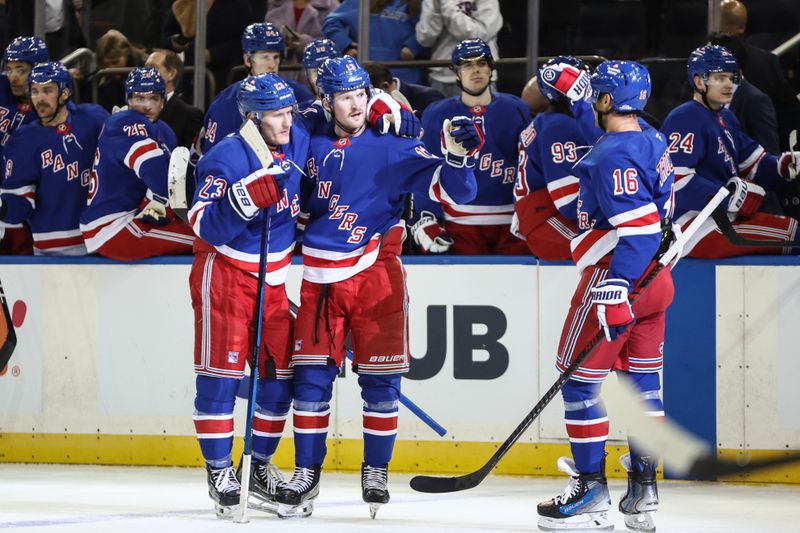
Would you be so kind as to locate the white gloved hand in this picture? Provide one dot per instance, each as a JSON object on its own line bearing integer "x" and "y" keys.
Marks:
{"x": 154, "y": 213}
{"x": 746, "y": 197}
{"x": 789, "y": 165}
{"x": 429, "y": 235}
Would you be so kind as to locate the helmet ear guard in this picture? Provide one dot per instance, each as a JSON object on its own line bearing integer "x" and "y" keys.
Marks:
{"x": 144, "y": 80}
{"x": 471, "y": 50}
{"x": 52, "y": 71}
{"x": 626, "y": 82}
{"x": 711, "y": 58}
{"x": 265, "y": 92}
{"x": 262, "y": 36}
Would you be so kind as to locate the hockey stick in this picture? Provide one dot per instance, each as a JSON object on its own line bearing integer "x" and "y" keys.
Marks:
{"x": 8, "y": 335}
{"x": 467, "y": 481}
{"x": 241, "y": 516}
{"x": 253, "y": 138}
{"x": 684, "y": 453}
{"x": 176, "y": 180}
{"x": 720, "y": 217}
{"x": 405, "y": 400}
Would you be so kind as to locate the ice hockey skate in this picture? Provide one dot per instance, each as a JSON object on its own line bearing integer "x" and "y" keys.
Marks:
{"x": 640, "y": 503}
{"x": 223, "y": 487}
{"x": 296, "y": 497}
{"x": 374, "y": 486}
{"x": 265, "y": 478}
{"x": 582, "y": 506}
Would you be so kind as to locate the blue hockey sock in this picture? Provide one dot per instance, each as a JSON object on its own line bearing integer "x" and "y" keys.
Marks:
{"x": 213, "y": 418}
{"x": 273, "y": 399}
{"x": 587, "y": 425}
{"x": 313, "y": 388}
{"x": 381, "y": 394}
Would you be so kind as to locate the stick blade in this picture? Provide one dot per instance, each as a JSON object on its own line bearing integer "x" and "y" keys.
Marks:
{"x": 8, "y": 336}
{"x": 439, "y": 485}
{"x": 713, "y": 467}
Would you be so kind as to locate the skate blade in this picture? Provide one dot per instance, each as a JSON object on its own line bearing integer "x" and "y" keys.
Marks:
{"x": 644, "y": 522}
{"x": 256, "y": 503}
{"x": 288, "y": 512}
{"x": 584, "y": 522}
{"x": 225, "y": 512}
{"x": 373, "y": 509}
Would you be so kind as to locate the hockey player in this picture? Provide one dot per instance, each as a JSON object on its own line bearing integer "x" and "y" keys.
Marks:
{"x": 314, "y": 54}
{"x": 127, "y": 216}
{"x": 353, "y": 280}
{"x": 15, "y": 110}
{"x": 48, "y": 163}
{"x": 625, "y": 199}
{"x": 483, "y": 225}
{"x": 709, "y": 149}
{"x": 233, "y": 196}
{"x": 546, "y": 192}
{"x": 262, "y": 46}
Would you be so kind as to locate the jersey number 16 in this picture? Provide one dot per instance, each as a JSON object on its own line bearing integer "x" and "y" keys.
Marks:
{"x": 626, "y": 181}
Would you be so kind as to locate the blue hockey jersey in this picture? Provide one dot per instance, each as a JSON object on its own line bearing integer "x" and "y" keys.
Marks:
{"x": 355, "y": 195}
{"x": 495, "y": 172}
{"x": 708, "y": 148}
{"x": 130, "y": 165}
{"x": 223, "y": 117}
{"x": 218, "y": 224}
{"x": 548, "y": 150}
{"x": 13, "y": 112}
{"x": 626, "y": 183}
{"x": 47, "y": 176}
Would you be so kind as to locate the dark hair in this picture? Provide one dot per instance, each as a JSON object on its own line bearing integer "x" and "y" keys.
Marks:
{"x": 172, "y": 61}
{"x": 734, "y": 43}
{"x": 378, "y": 73}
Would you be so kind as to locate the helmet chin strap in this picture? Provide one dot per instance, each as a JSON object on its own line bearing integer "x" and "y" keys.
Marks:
{"x": 473, "y": 93}
{"x": 601, "y": 117}
{"x": 55, "y": 113}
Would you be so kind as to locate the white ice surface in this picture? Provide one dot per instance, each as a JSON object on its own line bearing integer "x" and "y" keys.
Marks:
{"x": 58, "y": 498}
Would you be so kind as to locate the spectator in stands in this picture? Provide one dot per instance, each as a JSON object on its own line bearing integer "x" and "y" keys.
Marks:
{"x": 114, "y": 50}
{"x": 418, "y": 96}
{"x": 225, "y": 21}
{"x": 443, "y": 23}
{"x": 391, "y": 32}
{"x": 61, "y": 23}
{"x": 763, "y": 70}
{"x": 184, "y": 119}
{"x": 301, "y": 22}
{"x": 126, "y": 215}
{"x": 751, "y": 106}
{"x": 483, "y": 226}
{"x": 48, "y": 163}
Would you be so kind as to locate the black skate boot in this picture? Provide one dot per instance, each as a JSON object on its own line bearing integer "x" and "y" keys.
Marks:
{"x": 223, "y": 487}
{"x": 640, "y": 503}
{"x": 296, "y": 497}
{"x": 583, "y": 505}
{"x": 265, "y": 478}
{"x": 374, "y": 486}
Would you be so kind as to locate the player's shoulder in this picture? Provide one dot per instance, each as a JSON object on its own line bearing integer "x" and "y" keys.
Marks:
{"x": 27, "y": 137}
{"x": 506, "y": 100}
{"x": 128, "y": 123}
{"x": 92, "y": 112}
{"x": 442, "y": 107}
{"x": 229, "y": 149}
{"x": 685, "y": 115}
{"x": 225, "y": 96}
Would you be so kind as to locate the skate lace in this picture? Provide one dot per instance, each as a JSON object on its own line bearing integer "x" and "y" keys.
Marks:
{"x": 270, "y": 475}
{"x": 301, "y": 480}
{"x": 374, "y": 477}
{"x": 225, "y": 480}
{"x": 574, "y": 487}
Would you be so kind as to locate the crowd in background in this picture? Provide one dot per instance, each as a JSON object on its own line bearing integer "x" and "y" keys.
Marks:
{"x": 160, "y": 33}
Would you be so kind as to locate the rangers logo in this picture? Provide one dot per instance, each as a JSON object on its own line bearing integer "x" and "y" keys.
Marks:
{"x": 233, "y": 357}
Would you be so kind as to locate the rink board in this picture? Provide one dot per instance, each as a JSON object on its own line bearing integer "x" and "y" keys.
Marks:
{"x": 102, "y": 372}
